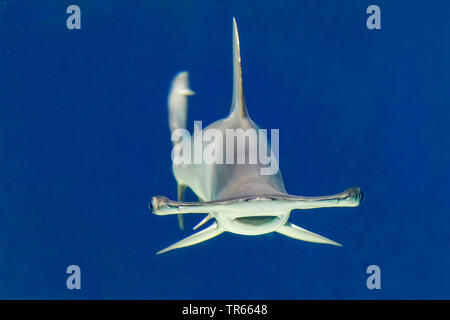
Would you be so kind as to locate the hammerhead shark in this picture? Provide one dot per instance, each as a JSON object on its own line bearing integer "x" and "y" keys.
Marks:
{"x": 237, "y": 196}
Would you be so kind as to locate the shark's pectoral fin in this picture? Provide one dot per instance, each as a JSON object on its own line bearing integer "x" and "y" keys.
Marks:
{"x": 206, "y": 234}
{"x": 293, "y": 231}
{"x": 180, "y": 197}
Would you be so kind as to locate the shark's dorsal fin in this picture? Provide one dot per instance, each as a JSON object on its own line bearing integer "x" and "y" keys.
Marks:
{"x": 238, "y": 106}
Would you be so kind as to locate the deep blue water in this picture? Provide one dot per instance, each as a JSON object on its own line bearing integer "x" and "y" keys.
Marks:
{"x": 85, "y": 144}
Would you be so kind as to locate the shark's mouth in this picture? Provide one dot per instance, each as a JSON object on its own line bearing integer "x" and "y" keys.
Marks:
{"x": 257, "y": 220}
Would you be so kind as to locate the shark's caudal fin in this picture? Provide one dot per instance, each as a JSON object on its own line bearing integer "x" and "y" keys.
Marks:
{"x": 238, "y": 106}
{"x": 177, "y": 101}
{"x": 177, "y": 104}
{"x": 206, "y": 234}
{"x": 293, "y": 231}
{"x": 180, "y": 197}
